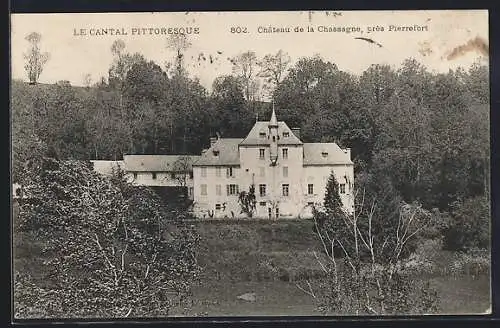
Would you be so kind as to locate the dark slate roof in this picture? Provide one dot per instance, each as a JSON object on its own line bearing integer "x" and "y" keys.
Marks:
{"x": 158, "y": 163}
{"x": 313, "y": 154}
{"x": 228, "y": 153}
{"x": 253, "y": 137}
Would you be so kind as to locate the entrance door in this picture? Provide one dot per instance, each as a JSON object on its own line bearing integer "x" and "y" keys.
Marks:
{"x": 270, "y": 212}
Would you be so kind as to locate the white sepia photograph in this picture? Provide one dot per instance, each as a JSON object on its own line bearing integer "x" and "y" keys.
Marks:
{"x": 253, "y": 163}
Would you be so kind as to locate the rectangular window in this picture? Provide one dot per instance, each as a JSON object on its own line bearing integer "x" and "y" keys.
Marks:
{"x": 310, "y": 203}
{"x": 203, "y": 172}
{"x": 286, "y": 189}
{"x": 135, "y": 175}
{"x": 190, "y": 191}
{"x": 285, "y": 153}
{"x": 342, "y": 188}
{"x": 285, "y": 171}
{"x": 172, "y": 175}
{"x": 229, "y": 172}
{"x": 217, "y": 207}
{"x": 286, "y": 134}
{"x": 262, "y": 153}
{"x": 262, "y": 172}
{"x": 262, "y": 190}
{"x": 310, "y": 189}
{"x": 262, "y": 203}
{"x": 218, "y": 190}
{"x": 218, "y": 171}
{"x": 262, "y": 134}
{"x": 191, "y": 175}
{"x": 203, "y": 189}
{"x": 232, "y": 189}
{"x": 154, "y": 175}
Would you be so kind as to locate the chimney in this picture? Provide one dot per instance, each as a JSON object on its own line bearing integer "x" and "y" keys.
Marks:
{"x": 213, "y": 140}
{"x": 296, "y": 132}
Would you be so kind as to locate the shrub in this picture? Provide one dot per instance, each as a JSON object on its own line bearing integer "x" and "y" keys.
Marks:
{"x": 114, "y": 252}
{"x": 470, "y": 225}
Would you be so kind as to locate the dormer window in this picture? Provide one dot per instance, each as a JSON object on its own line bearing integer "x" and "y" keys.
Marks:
{"x": 286, "y": 134}
{"x": 262, "y": 134}
{"x": 216, "y": 152}
{"x": 324, "y": 154}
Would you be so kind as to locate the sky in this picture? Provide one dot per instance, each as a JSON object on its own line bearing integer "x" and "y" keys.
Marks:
{"x": 440, "y": 40}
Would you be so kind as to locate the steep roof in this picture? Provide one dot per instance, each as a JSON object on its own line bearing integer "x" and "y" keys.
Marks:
{"x": 254, "y": 138}
{"x": 227, "y": 153}
{"x": 325, "y": 154}
{"x": 158, "y": 163}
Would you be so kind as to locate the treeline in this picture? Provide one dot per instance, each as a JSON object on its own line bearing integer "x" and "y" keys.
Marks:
{"x": 421, "y": 135}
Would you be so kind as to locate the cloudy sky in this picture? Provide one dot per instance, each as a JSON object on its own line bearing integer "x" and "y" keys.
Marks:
{"x": 447, "y": 39}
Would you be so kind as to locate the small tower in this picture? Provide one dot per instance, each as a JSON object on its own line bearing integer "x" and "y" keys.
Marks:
{"x": 273, "y": 137}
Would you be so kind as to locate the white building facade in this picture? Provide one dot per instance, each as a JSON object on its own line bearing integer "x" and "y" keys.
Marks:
{"x": 289, "y": 176}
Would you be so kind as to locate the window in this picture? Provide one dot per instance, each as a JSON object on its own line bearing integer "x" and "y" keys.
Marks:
{"x": 285, "y": 171}
{"x": 285, "y": 153}
{"x": 218, "y": 190}
{"x": 286, "y": 134}
{"x": 286, "y": 189}
{"x": 310, "y": 203}
{"x": 172, "y": 175}
{"x": 262, "y": 134}
{"x": 262, "y": 203}
{"x": 324, "y": 154}
{"x": 218, "y": 171}
{"x": 342, "y": 188}
{"x": 203, "y": 172}
{"x": 274, "y": 138}
{"x": 229, "y": 172}
{"x": 203, "y": 189}
{"x": 310, "y": 189}
{"x": 262, "y": 190}
{"x": 262, "y": 153}
{"x": 190, "y": 191}
{"x": 217, "y": 207}
{"x": 262, "y": 172}
{"x": 135, "y": 175}
{"x": 191, "y": 175}
{"x": 154, "y": 175}
{"x": 232, "y": 189}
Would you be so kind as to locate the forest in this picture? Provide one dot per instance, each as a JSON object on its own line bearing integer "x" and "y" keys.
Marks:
{"x": 423, "y": 134}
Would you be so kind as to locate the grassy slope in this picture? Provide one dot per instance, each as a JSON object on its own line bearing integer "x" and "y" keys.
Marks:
{"x": 268, "y": 259}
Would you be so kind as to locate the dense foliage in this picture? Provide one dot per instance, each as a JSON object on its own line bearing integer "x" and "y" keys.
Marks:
{"x": 110, "y": 249}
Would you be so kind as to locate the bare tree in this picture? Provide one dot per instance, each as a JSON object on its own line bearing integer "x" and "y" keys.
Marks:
{"x": 178, "y": 43}
{"x": 245, "y": 67}
{"x": 366, "y": 278}
{"x": 273, "y": 69}
{"x": 182, "y": 168}
{"x": 87, "y": 80}
{"x": 35, "y": 58}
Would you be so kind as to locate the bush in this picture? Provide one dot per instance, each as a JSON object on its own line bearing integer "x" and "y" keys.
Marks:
{"x": 474, "y": 263}
{"x": 114, "y": 251}
{"x": 470, "y": 225}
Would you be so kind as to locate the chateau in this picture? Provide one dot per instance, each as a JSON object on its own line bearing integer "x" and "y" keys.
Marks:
{"x": 288, "y": 176}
